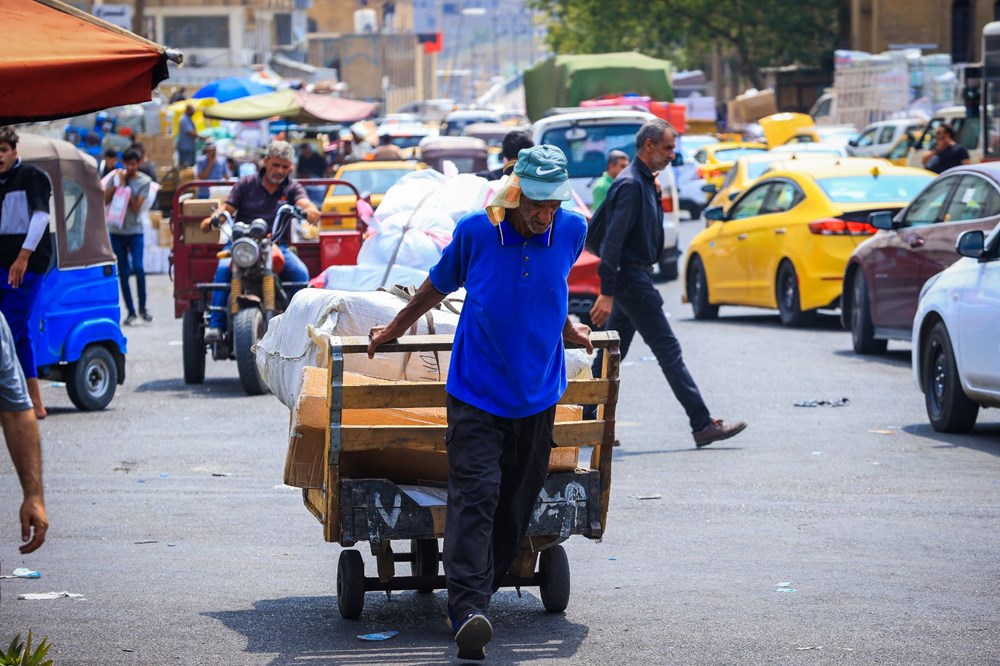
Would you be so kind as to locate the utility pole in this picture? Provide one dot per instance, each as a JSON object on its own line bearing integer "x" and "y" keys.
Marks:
{"x": 139, "y": 18}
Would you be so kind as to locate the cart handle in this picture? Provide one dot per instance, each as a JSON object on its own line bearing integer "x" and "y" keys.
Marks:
{"x": 409, "y": 343}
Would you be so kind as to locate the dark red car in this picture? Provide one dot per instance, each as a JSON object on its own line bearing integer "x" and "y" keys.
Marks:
{"x": 884, "y": 274}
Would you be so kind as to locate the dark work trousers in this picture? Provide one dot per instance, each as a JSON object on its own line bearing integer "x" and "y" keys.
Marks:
{"x": 497, "y": 467}
{"x": 639, "y": 308}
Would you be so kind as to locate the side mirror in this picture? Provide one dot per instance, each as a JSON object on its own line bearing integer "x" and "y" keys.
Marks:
{"x": 971, "y": 244}
{"x": 715, "y": 213}
{"x": 709, "y": 188}
{"x": 881, "y": 220}
{"x": 678, "y": 160}
{"x": 853, "y": 143}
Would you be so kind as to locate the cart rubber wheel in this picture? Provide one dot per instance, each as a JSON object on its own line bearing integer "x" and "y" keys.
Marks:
{"x": 92, "y": 380}
{"x": 248, "y": 328}
{"x": 425, "y": 560}
{"x": 194, "y": 347}
{"x": 350, "y": 584}
{"x": 553, "y": 565}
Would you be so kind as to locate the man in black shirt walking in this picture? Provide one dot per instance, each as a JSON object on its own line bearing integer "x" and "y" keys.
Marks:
{"x": 629, "y": 303}
{"x": 946, "y": 153}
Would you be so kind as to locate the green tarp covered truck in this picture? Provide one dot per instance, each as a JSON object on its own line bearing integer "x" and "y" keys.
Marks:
{"x": 567, "y": 80}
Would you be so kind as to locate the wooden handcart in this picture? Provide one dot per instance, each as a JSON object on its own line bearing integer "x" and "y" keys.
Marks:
{"x": 373, "y": 467}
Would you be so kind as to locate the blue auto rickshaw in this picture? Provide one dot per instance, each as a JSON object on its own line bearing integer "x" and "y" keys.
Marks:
{"x": 78, "y": 338}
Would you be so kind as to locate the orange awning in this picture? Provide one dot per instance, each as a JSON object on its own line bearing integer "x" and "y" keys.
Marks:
{"x": 57, "y": 61}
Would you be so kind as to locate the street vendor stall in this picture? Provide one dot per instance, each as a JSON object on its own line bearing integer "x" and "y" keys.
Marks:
{"x": 58, "y": 61}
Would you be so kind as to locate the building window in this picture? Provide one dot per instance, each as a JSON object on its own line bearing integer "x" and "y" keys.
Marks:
{"x": 199, "y": 32}
{"x": 996, "y": 10}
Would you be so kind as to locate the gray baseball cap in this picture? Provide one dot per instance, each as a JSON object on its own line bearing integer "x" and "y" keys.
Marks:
{"x": 542, "y": 173}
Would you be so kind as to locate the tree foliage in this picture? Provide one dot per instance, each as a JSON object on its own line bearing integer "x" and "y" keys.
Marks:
{"x": 754, "y": 33}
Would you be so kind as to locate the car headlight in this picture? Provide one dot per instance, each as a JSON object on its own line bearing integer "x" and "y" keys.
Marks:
{"x": 245, "y": 253}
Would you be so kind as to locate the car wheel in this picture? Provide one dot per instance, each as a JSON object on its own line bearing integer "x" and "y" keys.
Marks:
{"x": 787, "y": 293}
{"x": 92, "y": 380}
{"x": 862, "y": 328}
{"x": 697, "y": 291}
{"x": 948, "y": 408}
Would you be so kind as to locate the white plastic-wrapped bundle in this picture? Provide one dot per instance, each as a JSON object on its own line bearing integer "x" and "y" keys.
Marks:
{"x": 408, "y": 238}
{"x": 369, "y": 277}
{"x": 300, "y": 336}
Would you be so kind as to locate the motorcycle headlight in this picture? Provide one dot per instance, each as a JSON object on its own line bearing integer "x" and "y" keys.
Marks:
{"x": 245, "y": 253}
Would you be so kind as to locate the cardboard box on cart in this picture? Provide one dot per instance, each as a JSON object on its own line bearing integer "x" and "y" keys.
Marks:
{"x": 310, "y": 420}
{"x": 197, "y": 210}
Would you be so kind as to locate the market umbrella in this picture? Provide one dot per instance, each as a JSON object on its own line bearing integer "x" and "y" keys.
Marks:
{"x": 295, "y": 105}
{"x": 232, "y": 87}
{"x": 57, "y": 61}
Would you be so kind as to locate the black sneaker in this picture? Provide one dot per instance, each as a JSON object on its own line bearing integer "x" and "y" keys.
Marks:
{"x": 129, "y": 320}
{"x": 473, "y": 635}
{"x": 146, "y": 316}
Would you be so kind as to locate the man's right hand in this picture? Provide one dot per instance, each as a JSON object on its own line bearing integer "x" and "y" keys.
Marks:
{"x": 601, "y": 310}
{"x": 377, "y": 337}
{"x": 34, "y": 524}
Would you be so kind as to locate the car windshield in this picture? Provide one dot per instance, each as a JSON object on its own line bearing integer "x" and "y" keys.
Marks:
{"x": 406, "y": 141}
{"x": 871, "y": 189}
{"x": 756, "y": 168}
{"x": 588, "y": 146}
{"x": 373, "y": 181}
{"x": 733, "y": 154}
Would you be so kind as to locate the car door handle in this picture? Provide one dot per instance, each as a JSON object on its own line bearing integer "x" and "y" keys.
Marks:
{"x": 917, "y": 242}
{"x": 741, "y": 237}
{"x": 780, "y": 232}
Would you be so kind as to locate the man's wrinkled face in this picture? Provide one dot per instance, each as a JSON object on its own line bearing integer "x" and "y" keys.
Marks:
{"x": 662, "y": 151}
{"x": 8, "y": 155}
{"x": 276, "y": 169}
{"x": 538, "y": 215}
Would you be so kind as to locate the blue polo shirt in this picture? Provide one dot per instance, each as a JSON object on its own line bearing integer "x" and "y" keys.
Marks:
{"x": 508, "y": 358}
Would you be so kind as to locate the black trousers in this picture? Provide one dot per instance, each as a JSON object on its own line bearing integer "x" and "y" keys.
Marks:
{"x": 497, "y": 467}
{"x": 638, "y": 309}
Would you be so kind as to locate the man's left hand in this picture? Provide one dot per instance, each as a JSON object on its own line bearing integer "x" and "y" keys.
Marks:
{"x": 15, "y": 274}
{"x": 34, "y": 524}
{"x": 579, "y": 334}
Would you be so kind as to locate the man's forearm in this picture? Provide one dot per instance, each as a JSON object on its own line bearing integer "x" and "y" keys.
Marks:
{"x": 20, "y": 429}
{"x": 425, "y": 299}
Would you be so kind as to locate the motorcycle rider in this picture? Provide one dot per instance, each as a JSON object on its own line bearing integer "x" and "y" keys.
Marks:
{"x": 260, "y": 196}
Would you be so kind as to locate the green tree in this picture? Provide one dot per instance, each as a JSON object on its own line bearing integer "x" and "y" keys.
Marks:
{"x": 754, "y": 33}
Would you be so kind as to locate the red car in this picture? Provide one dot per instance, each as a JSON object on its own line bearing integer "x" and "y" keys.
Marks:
{"x": 884, "y": 274}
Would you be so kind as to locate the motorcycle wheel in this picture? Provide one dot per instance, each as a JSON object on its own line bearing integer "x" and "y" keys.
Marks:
{"x": 248, "y": 329}
{"x": 194, "y": 347}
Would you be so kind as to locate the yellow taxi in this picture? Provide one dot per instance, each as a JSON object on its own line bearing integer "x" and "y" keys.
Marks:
{"x": 784, "y": 242}
{"x": 371, "y": 177}
{"x": 835, "y": 135}
{"x": 744, "y": 171}
{"x": 715, "y": 160}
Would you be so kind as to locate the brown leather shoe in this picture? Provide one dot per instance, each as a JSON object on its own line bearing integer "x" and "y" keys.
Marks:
{"x": 718, "y": 431}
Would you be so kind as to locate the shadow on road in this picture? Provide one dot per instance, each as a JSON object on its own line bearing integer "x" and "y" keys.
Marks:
{"x": 893, "y": 357}
{"x": 824, "y": 322}
{"x": 211, "y": 388}
{"x": 985, "y": 437}
{"x": 309, "y": 630}
{"x": 624, "y": 453}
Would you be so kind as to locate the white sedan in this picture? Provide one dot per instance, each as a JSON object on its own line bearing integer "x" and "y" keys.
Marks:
{"x": 956, "y": 335}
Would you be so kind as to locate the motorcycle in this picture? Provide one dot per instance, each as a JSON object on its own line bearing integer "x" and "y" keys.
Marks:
{"x": 256, "y": 295}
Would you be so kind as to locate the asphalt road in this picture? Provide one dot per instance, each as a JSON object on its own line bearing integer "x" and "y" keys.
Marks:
{"x": 847, "y": 535}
